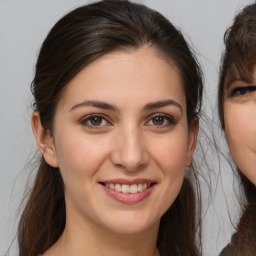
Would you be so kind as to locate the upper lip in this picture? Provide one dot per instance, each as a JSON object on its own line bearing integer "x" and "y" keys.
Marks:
{"x": 128, "y": 182}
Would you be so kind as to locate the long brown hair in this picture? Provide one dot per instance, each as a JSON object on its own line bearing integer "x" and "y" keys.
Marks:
{"x": 240, "y": 42}
{"x": 77, "y": 39}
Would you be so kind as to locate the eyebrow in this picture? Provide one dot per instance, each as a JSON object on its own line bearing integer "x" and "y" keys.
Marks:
{"x": 149, "y": 106}
{"x": 96, "y": 104}
{"x": 161, "y": 104}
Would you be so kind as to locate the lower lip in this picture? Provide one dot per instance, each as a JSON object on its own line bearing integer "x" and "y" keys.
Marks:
{"x": 129, "y": 198}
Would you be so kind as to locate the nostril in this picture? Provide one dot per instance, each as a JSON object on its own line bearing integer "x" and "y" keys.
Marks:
{"x": 129, "y": 154}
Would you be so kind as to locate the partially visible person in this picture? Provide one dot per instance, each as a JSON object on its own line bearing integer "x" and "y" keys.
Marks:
{"x": 237, "y": 111}
{"x": 117, "y": 95}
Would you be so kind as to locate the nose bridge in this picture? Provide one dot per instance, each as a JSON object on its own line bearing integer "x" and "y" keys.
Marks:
{"x": 130, "y": 150}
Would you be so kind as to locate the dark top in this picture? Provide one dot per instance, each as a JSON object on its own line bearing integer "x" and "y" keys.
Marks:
{"x": 228, "y": 251}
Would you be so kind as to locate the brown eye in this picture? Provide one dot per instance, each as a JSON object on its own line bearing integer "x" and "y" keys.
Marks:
{"x": 244, "y": 91}
{"x": 95, "y": 120}
{"x": 158, "y": 120}
{"x": 161, "y": 120}
{"x": 240, "y": 91}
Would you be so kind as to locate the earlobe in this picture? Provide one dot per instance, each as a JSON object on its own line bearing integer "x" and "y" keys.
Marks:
{"x": 192, "y": 139}
{"x": 44, "y": 140}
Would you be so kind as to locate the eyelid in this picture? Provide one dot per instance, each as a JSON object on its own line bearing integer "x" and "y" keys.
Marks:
{"x": 170, "y": 119}
{"x": 86, "y": 118}
{"x": 250, "y": 88}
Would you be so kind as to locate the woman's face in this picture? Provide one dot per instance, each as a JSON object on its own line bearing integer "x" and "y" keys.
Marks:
{"x": 240, "y": 121}
{"x": 121, "y": 141}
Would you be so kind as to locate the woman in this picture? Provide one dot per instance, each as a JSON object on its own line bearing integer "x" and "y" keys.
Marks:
{"x": 117, "y": 97}
{"x": 237, "y": 111}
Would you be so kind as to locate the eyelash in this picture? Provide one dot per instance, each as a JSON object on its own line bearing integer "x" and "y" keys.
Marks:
{"x": 167, "y": 118}
{"x": 87, "y": 121}
{"x": 248, "y": 89}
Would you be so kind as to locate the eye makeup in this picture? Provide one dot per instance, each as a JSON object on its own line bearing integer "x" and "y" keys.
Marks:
{"x": 242, "y": 90}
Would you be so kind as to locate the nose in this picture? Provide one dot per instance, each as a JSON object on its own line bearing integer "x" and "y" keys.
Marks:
{"x": 130, "y": 152}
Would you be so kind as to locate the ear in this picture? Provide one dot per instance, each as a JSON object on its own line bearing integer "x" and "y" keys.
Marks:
{"x": 44, "y": 140}
{"x": 192, "y": 139}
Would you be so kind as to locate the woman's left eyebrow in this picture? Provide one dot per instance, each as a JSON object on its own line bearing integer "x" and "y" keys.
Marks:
{"x": 161, "y": 104}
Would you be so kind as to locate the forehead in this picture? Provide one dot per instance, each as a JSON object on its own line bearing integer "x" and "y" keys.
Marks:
{"x": 234, "y": 74}
{"x": 140, "y": 74}
{"x": 231, "y": 75}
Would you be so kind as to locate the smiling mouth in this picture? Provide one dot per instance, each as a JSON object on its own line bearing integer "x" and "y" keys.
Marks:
{"x": 128, "y": 189}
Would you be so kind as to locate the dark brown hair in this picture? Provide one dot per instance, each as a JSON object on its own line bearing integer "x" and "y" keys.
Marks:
{"x": 240, "y": 51}
{"x": 78, "y": 38}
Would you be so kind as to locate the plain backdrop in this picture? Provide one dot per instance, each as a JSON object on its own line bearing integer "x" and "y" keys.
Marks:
{"x": 23, "y": 27}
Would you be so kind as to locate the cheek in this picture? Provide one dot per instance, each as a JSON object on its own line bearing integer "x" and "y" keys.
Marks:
{"x": 79, "y": 158}
{"x": 80, "y": 155}
{"x": 170, "y": 156}
{"x": 170, "y": 153}
{"x": 240, "y": 129}
{"x": 240, "y": 125}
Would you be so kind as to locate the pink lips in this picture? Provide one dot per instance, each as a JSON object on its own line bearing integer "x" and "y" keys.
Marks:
{"x": 128, "y": 198}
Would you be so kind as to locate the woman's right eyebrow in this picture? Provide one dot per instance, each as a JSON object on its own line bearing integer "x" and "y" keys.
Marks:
{"x": 96, "y": 104}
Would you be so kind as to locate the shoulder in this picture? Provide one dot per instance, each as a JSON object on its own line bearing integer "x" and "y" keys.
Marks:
{"x": 228, "y": 251}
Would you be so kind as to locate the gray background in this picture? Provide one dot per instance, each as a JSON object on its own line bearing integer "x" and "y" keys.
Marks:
{"x": 23, "y": 26}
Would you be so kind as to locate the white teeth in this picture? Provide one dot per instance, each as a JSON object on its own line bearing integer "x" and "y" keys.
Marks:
{"x": 124, "y": 188}
{"x": 133, "y": 189}
{"x": 118, "y": 188}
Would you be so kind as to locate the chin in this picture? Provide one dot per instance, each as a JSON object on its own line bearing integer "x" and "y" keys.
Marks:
{"x": 128, "y": 225}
